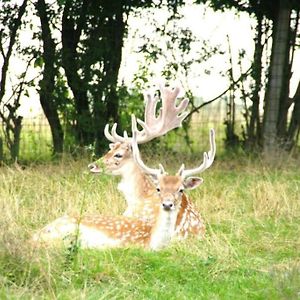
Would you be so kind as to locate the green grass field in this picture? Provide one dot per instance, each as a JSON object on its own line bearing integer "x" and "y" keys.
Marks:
{"x": 252, "y": 248}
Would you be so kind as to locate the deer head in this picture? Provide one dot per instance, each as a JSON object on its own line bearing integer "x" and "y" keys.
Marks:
{"x": 169, "y": 116}
{"x": 170, "y": 188}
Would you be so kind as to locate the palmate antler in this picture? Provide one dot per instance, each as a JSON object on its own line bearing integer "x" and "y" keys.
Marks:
{"x": 169, "y": 117}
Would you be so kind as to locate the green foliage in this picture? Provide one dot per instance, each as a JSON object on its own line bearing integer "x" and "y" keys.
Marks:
{"x": 267, "y": 8}
{"x": 276, "y": 19}
{"x": 130, "y": 102}
{"x": 174, "y": 47}
{"x": 39, "y": 61}
{"x": 175, "y": 51}
{"x": 34, "y": 147}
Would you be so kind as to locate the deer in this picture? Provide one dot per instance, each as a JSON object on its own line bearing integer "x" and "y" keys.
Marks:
{"x": 98, "y": 231}
{"x": 139, "y": 192}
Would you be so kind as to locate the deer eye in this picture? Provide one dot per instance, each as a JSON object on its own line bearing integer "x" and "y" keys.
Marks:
{"x": 118, "y": 155}
{"x": 158, "y": 189}
{"x": 181, "y": 191}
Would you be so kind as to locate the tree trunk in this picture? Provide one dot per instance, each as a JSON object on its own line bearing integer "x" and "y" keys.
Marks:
{"x": 275, "y": 87}
{"x": 15, "y": 146}
{"x": 254, "y": 133}
{"x": 47, "y": 84}
{"x": 294, "y": 126}
{"x": 112, "y": 60}
{"x": 231, "y": 139}
{"x": 12, "y": 126}
{"x": 284, "y": 104}
{"x": 71, "y": 33}
{"x": 285, "y": 101}
{"x": 11, "y": 122}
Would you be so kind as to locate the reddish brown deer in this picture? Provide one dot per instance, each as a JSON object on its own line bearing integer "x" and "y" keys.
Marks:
{"x": 139, "y": 192}
{"x": 95, "y": 231}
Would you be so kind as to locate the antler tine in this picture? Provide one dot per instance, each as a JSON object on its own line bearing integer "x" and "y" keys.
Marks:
{"x": 107, "y": 134}
{"x": 140, "y": 133}
{"x": 212, "y": 151}
{"x": 117, "y": 137}
{"x": 169, "y": 112}
{"x": 181, "y": 169}
{"x": 136, "y": 153}
{"x": 150, "y": 107}
{"x": 113, "y": 136}
{"x": 208, "y": 158}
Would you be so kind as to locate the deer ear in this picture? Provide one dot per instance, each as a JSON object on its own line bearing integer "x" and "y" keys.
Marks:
{"x": 192, "y": 182}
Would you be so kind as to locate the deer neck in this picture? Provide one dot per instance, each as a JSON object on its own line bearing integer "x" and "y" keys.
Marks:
{"x": 134, "y": 185}
{"x": 163, "y": 230}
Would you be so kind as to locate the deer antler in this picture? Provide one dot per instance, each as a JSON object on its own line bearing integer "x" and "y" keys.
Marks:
{"x": 170, "y": 116}
{"x": 137, "y": 157}
{"x": 208, "y": 159}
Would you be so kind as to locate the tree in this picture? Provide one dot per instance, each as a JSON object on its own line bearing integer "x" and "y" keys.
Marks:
{"x": 11, "y": 19}
{"x": 277, "y": 130}
{"x": 275, "y": 114}
{"x": 92, "y": 42}
{"x": 47, "y": 83}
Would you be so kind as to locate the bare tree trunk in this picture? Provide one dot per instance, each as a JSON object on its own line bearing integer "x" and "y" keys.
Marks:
{"x": 292, "y": 133}
{"x": 285, "y": 100}
{"x": 254, "y": 124}
{"x": 13, "y": 125}
{"x": 231, "y": 140}
{"x": 275, "y": 87}
{"x": 294, "y": 126}
{"x": 47, "y": 84}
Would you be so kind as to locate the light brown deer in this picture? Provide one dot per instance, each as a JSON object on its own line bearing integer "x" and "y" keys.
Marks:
{"x": 118, "y": 161}
{"x": 95, "y": 231}
{"x": 139, "y": 192}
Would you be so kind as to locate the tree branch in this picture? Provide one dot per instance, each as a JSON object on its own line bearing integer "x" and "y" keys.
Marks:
{"x": 13, "y": 35}
{"x": 196, "y": 109}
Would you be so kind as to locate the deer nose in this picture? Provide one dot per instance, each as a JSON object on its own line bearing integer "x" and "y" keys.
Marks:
{"x": 94, "y": 168}
{"x": 168, "y": 205}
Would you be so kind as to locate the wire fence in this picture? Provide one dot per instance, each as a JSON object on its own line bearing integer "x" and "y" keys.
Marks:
{"x": 36, "y": 140}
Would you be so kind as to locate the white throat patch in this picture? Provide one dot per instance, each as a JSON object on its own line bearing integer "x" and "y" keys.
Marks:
{"x": 128, "y": 186}
{"x": 164, "y": 230}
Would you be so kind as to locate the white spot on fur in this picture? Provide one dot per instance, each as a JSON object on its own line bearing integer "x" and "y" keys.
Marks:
{"x": 93, "y": 238}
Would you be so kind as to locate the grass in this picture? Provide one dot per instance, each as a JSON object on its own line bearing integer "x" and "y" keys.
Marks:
{"x": 252, "y": 213}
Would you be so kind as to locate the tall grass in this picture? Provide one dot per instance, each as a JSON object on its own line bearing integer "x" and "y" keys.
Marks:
{"x": 252, "y": 214}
